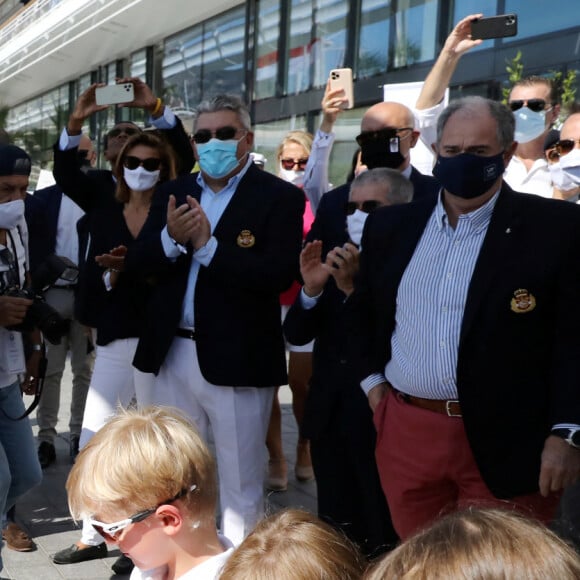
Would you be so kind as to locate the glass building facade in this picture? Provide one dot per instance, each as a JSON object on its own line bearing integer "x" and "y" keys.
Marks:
{"x": 277, "y": 54}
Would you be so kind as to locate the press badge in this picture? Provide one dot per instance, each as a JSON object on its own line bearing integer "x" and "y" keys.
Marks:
{"x": 11, "y": 353}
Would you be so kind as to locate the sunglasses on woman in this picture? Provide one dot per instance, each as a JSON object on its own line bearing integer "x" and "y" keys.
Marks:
{"x": 149, "y": 164}
{"x": 289, "y": 164}
{"x": 535, "y": 105}
{"x": 111, "y": 531}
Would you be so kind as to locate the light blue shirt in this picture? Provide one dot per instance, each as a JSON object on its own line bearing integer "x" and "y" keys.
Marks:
{"x": 166, "y": 121}
{"x": 214, "y": 205}
{"x": 430, "y": 304}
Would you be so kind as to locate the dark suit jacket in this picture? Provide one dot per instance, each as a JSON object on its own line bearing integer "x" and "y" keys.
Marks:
{"x": 330, "y": 223}
{"x": 517, "y": 373}
{"x": 95, "y": 191}
{"x": 41, "y": 239}
{"x": 237, "y": 311}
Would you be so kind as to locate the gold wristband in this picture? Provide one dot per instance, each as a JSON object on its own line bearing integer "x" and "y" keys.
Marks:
{"x": 158, "y": 107}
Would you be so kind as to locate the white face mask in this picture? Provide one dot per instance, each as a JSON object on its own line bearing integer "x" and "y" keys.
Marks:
{"x": 11, "y": 214}
{"x": 140, "y": 179}
{"x": 559, "y": 178}
{"x": 529, "y": 124}
{"x": 355, "y": 225}
{"x": 570, "y": 164}
{"x": 294, "y": 177}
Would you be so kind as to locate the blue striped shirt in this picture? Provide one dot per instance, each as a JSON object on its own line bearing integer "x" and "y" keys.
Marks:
{"x": 431, "y": 301}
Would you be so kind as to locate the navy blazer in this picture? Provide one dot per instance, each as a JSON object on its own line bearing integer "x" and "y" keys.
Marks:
{"x": 517, "y": 373}
{"x": 41, "y": 234}
{"x": 95, "y": 191}
{"x": 237, "y": 312}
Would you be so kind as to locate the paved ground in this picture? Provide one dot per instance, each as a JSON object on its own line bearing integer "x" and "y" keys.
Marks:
{"x": 44, "y": 512}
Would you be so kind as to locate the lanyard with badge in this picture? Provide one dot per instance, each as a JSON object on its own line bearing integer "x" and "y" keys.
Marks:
{"x": 12, "y": 352}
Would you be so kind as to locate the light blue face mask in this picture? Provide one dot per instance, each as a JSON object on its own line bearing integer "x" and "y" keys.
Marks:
{"x": 217, "y": 158}
{"x": 529, "y": 124}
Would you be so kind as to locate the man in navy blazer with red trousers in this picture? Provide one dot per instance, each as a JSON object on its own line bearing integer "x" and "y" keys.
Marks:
{"x": 466, "y": 320}
{"x": 219, "y": 247}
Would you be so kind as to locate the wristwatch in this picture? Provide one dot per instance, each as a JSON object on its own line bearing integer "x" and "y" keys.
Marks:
{"x": 571, "y": 436}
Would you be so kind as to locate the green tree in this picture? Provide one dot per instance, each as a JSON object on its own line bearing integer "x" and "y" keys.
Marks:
{"x": 515, "y": 70}
{"x": 567, "y": 88}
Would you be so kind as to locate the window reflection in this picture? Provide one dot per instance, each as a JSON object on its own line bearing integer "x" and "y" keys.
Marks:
{"x": 396, "y": 35}
{"x": 267, "y": 57}
{"x": 36, "y": 124}
{"x": 415, "y": 32}
{"x": 374, "y": 37}
{"x": 346, "y": 128}
{"x": 223, "y": 54}
{"x": 317, "y": 42}
{"x": 537, "y": 17}
{"x": 205, "y": 60}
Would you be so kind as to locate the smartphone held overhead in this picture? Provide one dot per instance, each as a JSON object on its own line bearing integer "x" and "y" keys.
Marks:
{"x": 115, "y": 94}
{"x": 495, "y": 26}
{"x": 341, "y": 78}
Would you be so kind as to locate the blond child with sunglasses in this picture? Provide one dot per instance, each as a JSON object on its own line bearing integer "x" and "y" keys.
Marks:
{"x": 146, "y": 482}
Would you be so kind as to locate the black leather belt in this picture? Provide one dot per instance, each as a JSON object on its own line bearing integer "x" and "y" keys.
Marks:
{"x": 185, "y": 333}
{"x": 64, "y": 287}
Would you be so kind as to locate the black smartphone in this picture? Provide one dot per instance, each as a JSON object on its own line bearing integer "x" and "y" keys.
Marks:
{"x": 495, "y": 26}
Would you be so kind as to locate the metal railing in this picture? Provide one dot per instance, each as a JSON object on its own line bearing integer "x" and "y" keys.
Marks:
{"x": 25, "y": 18}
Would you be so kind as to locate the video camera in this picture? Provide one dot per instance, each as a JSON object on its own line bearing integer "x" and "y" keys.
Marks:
{"x": 40, "y": 314}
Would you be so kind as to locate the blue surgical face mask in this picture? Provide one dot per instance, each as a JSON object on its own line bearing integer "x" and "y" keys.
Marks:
{"x": 529, "y": 124}
{"x": 218, "y": 158}
{"x": 467, "y": 175}
{"x": 570, "y": 164}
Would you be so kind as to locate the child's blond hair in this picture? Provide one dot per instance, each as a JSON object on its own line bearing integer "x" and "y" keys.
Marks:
{"x": 294, "y": 544}
{"x": 139, "y": 459}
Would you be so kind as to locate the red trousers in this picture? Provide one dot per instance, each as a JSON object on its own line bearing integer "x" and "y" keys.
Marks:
{"x": 427, "y": 468}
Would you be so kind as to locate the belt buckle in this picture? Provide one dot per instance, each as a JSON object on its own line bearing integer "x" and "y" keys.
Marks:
{"x": 448, "y": 409}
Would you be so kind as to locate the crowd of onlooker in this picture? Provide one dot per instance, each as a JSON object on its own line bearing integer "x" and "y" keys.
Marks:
{"x": 430, "y": 322}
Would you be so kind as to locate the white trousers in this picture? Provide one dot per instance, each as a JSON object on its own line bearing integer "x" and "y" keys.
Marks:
{"x": 114, "y": 383}
{"x": 238, "y": 418}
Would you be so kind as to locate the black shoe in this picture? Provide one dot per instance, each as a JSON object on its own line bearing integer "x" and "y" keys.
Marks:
{"x": 74, "y": 447}
{"x": 123, "y": 565}
{"x": 74, "y": 554}
{"x": 46, "y": 454}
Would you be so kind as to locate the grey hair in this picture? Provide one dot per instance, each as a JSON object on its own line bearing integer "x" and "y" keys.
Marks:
{"x": 398, "y": 188}
{"x": 224, "y": 103}
{"x": 504, "y": 117}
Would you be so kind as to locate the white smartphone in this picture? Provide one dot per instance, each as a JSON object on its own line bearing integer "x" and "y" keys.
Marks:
{"x": 114, "y": 94}
{"x": 341, "y": 78}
